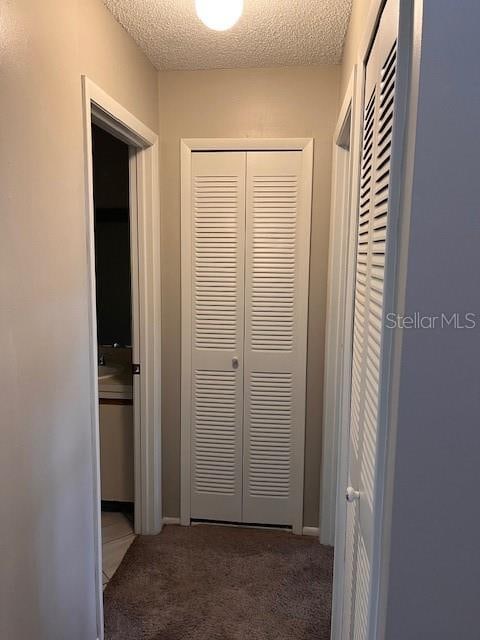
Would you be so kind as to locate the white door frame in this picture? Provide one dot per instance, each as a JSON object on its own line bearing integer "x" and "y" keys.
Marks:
{"x": 340, "y": 298}
{"x": 101, "y": 109}
{"x": 187, "y": 146}
{"x": 338, "y": 361}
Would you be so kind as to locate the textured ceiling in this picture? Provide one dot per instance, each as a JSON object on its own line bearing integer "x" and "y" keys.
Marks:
{"x": 270, "y": 33}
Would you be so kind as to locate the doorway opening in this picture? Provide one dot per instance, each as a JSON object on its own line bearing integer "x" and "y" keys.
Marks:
{"x": 113, "y": 286}
{"x": 246, "y": 209}
{"x": 340, "y": 292}
{"x": 338, "y": 353}
{"x": 141, "y": 319}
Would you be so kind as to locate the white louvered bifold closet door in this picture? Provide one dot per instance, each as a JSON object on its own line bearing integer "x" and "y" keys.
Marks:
{"x": 276, "y": 299}
{"x": 218, "y": 256}
{"x": 369, "y": 321}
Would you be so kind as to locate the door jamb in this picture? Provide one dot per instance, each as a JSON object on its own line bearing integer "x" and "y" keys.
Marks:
{"x": 333, "y": 506}
{"x": 339, "y": 313}
{"x": 100, "y": 108}
{"x": 187, "y": 146}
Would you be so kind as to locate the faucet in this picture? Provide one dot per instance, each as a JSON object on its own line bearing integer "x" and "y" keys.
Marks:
{"x": 101, "y": 360}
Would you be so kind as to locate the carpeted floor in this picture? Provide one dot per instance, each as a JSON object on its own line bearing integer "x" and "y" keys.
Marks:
{"x": 221, "y": 583}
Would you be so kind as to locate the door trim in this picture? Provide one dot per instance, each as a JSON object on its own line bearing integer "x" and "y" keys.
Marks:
{"x": 340, "y": 298}
{"x": 187, "y": 146}
{"x": 336, "y": 434}
{"x": 101, "y": 109}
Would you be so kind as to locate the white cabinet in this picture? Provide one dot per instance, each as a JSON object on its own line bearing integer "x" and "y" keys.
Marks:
{"x": 116, "y": 450}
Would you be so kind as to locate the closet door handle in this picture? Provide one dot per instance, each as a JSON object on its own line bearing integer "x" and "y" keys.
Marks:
{"x": 235, "y": 363}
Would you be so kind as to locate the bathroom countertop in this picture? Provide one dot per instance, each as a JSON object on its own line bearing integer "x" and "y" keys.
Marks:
{"x": 119, "y": 387}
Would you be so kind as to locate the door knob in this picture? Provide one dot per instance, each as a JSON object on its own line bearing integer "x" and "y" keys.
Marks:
{"x": 351, "y": 495}
{"x": 235, "y": 363}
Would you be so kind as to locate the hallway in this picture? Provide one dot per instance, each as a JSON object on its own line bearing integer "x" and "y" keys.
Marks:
{"x": 221, "y": 583}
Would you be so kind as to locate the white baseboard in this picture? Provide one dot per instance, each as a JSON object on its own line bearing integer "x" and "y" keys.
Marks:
{"x": 311, "y": 531}
{"x": 168, "y": 520}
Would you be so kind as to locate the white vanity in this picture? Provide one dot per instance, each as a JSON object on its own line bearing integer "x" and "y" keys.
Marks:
{"x": 116, "y": 426}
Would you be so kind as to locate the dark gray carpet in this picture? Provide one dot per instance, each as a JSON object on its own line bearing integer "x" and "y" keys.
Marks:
{"x": 221, "y": 583}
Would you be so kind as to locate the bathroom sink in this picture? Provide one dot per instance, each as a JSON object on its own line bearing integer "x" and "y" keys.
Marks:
{"x": 105, "y": 372}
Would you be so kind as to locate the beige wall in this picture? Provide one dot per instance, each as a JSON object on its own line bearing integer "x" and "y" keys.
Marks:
{"x": 46, "y": 538}
{"x": 356, "y": 28}
{"x": 280, "y": 102}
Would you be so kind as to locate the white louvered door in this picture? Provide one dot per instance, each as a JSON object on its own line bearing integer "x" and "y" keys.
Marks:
{"x": 249, "y": 295}
{"x": 369, "y": 322}
{"x": 276, "y": 281}
{"x": 218, "y": 257}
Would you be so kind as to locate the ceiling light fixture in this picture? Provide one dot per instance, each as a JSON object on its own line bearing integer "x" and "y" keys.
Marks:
{"x": 219, "y": 15}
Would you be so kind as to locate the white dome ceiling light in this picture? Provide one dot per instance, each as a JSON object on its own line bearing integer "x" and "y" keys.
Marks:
{"x": 219, "y": 15}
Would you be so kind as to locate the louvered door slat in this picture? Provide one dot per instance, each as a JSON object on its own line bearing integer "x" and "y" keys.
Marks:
{"x": 218, "y": 215}
{"x": 275, "y": 334}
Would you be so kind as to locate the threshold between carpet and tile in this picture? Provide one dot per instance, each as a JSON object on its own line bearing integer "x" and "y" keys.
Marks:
{"x": 221, "y": 583}
{"x": 117, "y": 536}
